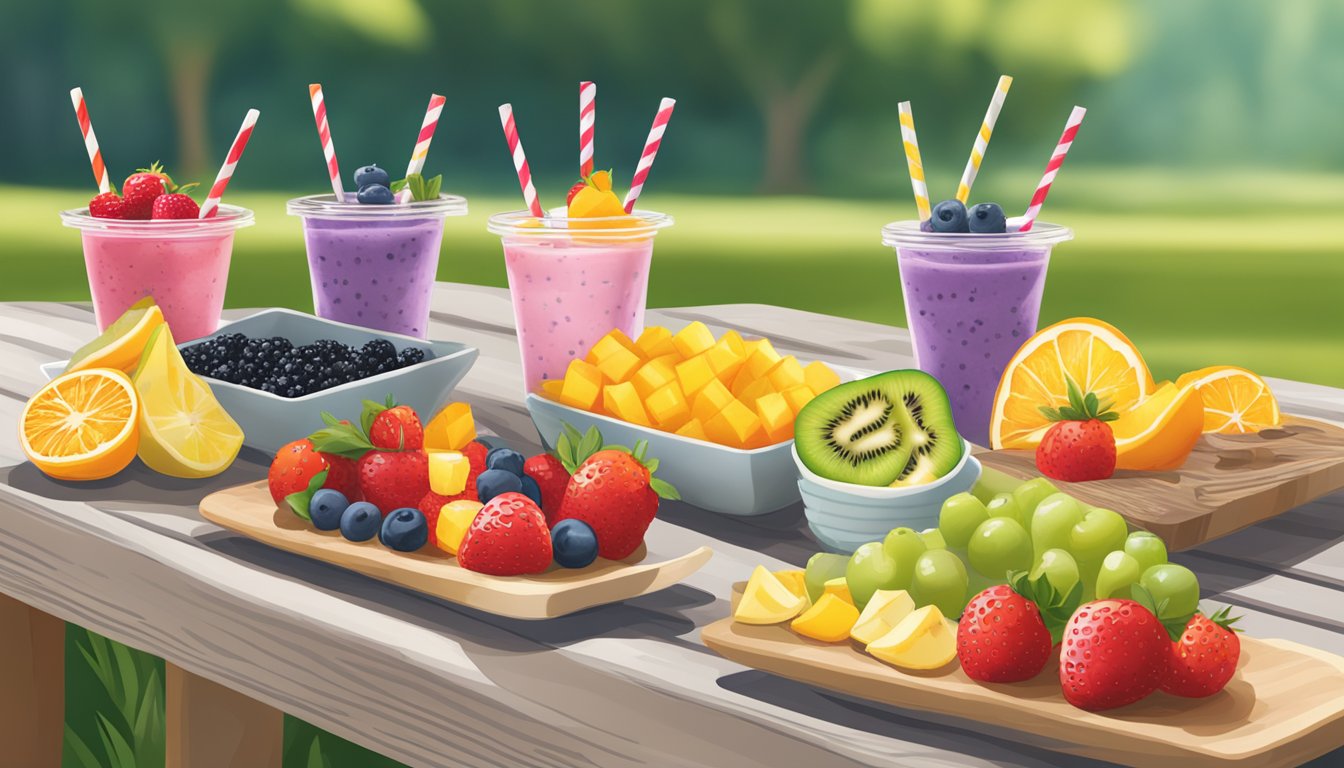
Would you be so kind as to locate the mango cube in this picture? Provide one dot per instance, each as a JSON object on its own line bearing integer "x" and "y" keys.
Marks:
{"x": 616, "y": 362}
{"x": 622, "y": 401}
{"x": 761, "y": 356}
{"x": 710, "y": 400}
{"x": 734, "y": 341}
{"x": 786, "y": 373}
{"x": 655, "y": 341}
{"x": 667, "y": 407}
{"x": 451, "y": 428}
{"x": 724, "y": 360}
{"x": 693, "y": 429}
{"x": 735, "y": 426}
{"x": 755, "y": 391}
{"x": 776, "y": 418}
{"x": 820, "y": 377}
{"x": 583, "y": 385}
{"x": 448, "y": 472}
{"x": 617, "y": 335}
{"x": 693, "y": 339}
{"x": 828, "y": 621}
{"x": 798, "y": 397}
{"x": 455, "y": 518}
{"x": 550, "y": 388}
{"x": 653, "y": 376}
{"x": 694, "y": 374}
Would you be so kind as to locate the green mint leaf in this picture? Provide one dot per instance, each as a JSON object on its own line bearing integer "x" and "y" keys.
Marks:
{"x": 298, "y": 501}
{"x": 398, "y": 185}
{"x": 417, "y": 183}
{"x": 433, "y": 186}
{"x": 664, "y": 489}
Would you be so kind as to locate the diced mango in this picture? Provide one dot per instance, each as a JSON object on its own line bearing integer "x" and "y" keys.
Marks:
{"x": 616, "y": 362}
{"x": 710, "y": 400}
{"x": 550, "y": 388}
{"x": 763, "y": 352}
{"x": 694, "y": 374}
{"x": 451, "y": 428}
{"x": 455, "y": 518}
{"x": 693, "y": 339}
{"x": 653, "y": 376}
{"x": 622, "y": 401}
{"x": 755, "y": 391}
{"x": 820, "y": 377}
{"x": 786, "y": 373}
{"x": 583, "y": 385}
{"x": 724, "y": 360}
{"x": 828, "y": 621}
{"x": 448, "y": 472}
{"x": 619, "y": 336}
{"x": 693, "y": 429}
{"x": 798, "y": 397}
{"x": 736, "y": 426}
{"x": 734, "y": 341}
{"x": 776, "y": 418}
{"x": 667, "y": 407}
{"x": 654, "y": 342}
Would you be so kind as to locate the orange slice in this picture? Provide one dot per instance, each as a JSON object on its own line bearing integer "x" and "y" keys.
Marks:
{"x": 1236, "y": 401}
{"x": 122, "y": 343}
{"x": 82, "y": 425}
{"x": 1094, "y": 354}
{"x": 1159, "y": 433}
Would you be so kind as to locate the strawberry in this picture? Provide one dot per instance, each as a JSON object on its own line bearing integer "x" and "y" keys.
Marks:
{"x": 508, "y": 538}
{"x": 552, "y": 478}
{"x": 574, "y": 190}
{"x": 174, "y": 205}
{"x": 1115, "y": 652}
{"x": 141, "y": 188}
{"x": 1205, "y": 656}
{"x": 394, "y": 479}
{"x": 1007, "y": 631}
{"x": 612, "y": 490}
{"x": 430, "y": 506}
{"x": 108, "y": 205}
{"x": 296, "y": 465}
{"x": 1080, "y": 446}
{"x": 391, "y": 426}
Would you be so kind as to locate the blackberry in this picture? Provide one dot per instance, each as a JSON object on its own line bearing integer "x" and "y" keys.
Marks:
{"x": 276, "y": 365}
{"x": 411, "y": 356}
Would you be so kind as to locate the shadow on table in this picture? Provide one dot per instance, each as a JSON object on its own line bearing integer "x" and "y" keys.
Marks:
{"x": 782, "y": 534}
{"x": 137, "y": 483}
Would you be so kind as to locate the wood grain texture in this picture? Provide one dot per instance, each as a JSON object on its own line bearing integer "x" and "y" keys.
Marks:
{"x": 249, "y": 510}
{"x": 1283, "y": 708}
{"x": 32, "y": 685}
{"x": 210, "y": 726}
{"x": 1229, "y": 482}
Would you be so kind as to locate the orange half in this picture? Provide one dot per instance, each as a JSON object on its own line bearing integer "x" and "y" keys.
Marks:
{"x": 1236, "y": 401}
{"x": 1159, "y": 433}
{"x": 82, "y": 425}
{"x": 1096, "y": 355}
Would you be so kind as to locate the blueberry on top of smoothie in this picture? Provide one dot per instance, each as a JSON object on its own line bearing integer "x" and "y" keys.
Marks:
{"x": 949, "y": 216}
{"x": 375, "y": 194}
{"x": 371, "y": 174}
{"x": 988, "y": 218}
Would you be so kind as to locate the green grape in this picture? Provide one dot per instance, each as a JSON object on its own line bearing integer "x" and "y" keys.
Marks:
{"x": 1147, "y": 548}
{"x": 1004, "y": 505}
{"x": 992, "y": 482}
{"x": 1091, "y": 539}
{"x": 961, "y": 515}
{"x": 1054, "y": 518}
{"x": 933, "y": 539}
{"x": 1118, "y": 571}
{"x": 821, "y": 568}
{"x": 871, "y": 569}
{"x": 1175, "y": 584}
{"x": 1059, "y": 568}
{"x": 940, "y": 579}
{"x": 1000, "y": 545}
{"x": 904, "y": 546}
{"x": 1030, "y": 494}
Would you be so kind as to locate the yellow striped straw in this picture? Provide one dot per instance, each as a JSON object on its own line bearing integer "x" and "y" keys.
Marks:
{"x": 912, "y": 160}
{"x": 982, "y": 138}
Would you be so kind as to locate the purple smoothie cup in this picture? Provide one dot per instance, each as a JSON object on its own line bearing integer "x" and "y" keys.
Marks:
{"x": 971, "y": 300}
{"x": 374, "y": 265}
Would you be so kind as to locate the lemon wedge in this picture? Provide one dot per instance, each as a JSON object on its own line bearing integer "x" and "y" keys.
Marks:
{"x": 923, "y": 640}
{"x": 885, "y": 609}
{"x": 766, "y": 600}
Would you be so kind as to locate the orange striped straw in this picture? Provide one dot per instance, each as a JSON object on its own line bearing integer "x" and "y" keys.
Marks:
{"x": 211, "y": 205}
{"x": 324, "y": 135}
{"x": 90, "y": 141}
{"x": 982, "y": 138}
{"x": 421, "y": 150}
{"x": 912, "y": 160}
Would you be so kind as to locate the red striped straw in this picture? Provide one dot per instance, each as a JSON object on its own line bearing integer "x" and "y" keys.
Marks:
{"x": 211, "y": 205}
{"x": 650, "y": 151}
{"x": 1052, "y": 168}
{"x": 421, "y": 151}
{"x": 520, "y": 160}
{"x": 587, "y": 126}
{"x": 90, "y": 141}
{"x": 324, "y": 135}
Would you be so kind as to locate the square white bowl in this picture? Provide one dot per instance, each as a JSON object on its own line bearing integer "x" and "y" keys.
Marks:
{"x": 269, "y": 421}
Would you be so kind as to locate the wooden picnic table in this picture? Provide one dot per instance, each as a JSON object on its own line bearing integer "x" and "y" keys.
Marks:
{"x": 249, "y": 632}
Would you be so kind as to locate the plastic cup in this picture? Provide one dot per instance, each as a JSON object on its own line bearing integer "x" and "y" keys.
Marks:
{"x": 182, "y": 263}
{"x": 971, "y": 300}
{"x": 572, "y": 281}
{"x": 374, "y": 265}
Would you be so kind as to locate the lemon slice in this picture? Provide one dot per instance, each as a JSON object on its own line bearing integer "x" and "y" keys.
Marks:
{"x": 124, "y": 341}
{"x": 766, "y": 600}
{"x": 184, "y": 431}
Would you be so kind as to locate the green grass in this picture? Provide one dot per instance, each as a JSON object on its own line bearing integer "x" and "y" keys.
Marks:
{"x": 1198, "y": 271}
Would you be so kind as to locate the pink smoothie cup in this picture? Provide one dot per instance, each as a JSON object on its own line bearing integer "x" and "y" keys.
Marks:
{"x": 182, "y": 263}
{"x": 574, "y": 280}
{"x": 374, "y": 265}
{"x": 971, "y": 300}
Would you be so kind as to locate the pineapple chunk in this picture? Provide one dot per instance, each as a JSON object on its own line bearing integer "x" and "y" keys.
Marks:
{"x": 820, "y": 377}
{"x": 712, "y": 399}
{"x": 725, "y": 361}
{"x": 776, "y": 418}
{"x": 668, "y": 407}
{"x": 622, "y": 401}
{"x": 451, "y": 428}
{"x": 655, "y": 341}
{"x": 798, "y": 397}
{"x": 735, "y": 426}
{"x": 693, "y": 429}
{"x": 616, "y": 362}
{"x": 786, "y": 373}
{"x": 583, "y": 385}
{"x": 734, "y": 341}
{"x": 448, "y": 472}
{"x": 694, "y": 374}
{"x": 653, "y": 376}
{"x": 693, "y": 339}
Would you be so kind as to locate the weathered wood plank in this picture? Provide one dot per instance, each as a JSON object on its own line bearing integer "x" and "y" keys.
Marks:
{"x": 210, "y": 726}
{"x": 32, "y": 685}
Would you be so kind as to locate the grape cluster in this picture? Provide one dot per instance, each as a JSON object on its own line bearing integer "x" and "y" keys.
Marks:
{"x": 276, "y": 365}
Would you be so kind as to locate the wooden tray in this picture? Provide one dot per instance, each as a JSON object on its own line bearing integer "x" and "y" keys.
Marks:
{"x": 249, "y": 510}
{"x": 1283, "y": 708}
{"x": 1228, "y": 483}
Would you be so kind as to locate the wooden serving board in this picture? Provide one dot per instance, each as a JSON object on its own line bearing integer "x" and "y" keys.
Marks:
{"x": 1227, "y": 483}
{"x": 1284, "y": 707}
{"x": 249, "y": 510}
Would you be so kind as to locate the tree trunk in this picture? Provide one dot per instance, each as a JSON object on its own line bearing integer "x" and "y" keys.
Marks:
{"x": 788, "y": 113}
{"x": 190, "y": 70}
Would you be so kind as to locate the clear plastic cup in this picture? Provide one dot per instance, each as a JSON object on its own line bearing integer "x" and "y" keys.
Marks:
{"x": 574, "y": 280}
{"x": 182, "y": 263}
{"x": 374, "y": 265}
{"x": 971, "y": 300}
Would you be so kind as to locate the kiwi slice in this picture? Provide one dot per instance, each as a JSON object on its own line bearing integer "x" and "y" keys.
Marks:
{"x": 894, "y": 428}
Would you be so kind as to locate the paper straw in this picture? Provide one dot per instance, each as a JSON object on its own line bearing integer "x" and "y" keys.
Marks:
{"x": 519, "y": 160}
{"x": 427, "y": 126}
{"x": 982, "y": 138}
{"x": 912, "y": 160}
{"x": 324, "y": 135}
{"x": 651, "y": 145}
{"x": 587, "y": 125}
{"x": 1052, "y": 168}
{"x": 90, "y": 141}
{"x": 211, "y": 205}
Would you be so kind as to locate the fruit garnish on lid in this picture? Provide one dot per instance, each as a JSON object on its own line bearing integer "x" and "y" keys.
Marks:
{"x": 595, "y": 199}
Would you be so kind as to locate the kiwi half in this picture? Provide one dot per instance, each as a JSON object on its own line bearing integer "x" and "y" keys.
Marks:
{"x": 894, "y": 428}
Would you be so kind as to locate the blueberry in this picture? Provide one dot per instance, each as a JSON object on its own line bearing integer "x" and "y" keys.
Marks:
{"x": 531, "y": 490}
{"x": 573, "y": 543}
{"x": 506, "y": 459}
{"x": 987, "y": 218}
{"x": 948, "y": 216}
{"x": 375, "y": 194}
{"x": 326, "y": 508}
{"x": 405, "y": 530}
{"x": 926, "y": 225}
{"x": 371, "y": 174}
{"x": 361, "y": 521}
{"x": 493, "y": 482}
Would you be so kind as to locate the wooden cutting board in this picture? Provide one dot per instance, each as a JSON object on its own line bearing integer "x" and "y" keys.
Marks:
{"x": 1227, "y": 483}
{"x": 249, "y": 510}
{"x": 1284, "y": 707}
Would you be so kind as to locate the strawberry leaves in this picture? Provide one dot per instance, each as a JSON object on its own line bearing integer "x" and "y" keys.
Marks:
{"x": 1056, "y": 607}
{"x": 340, "y": 438}
{"x": 1175, "y": 625}
{"x": 298, "y": 501}
{"x": 573, "y": 448}
{"x": 1081, "y": 407}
